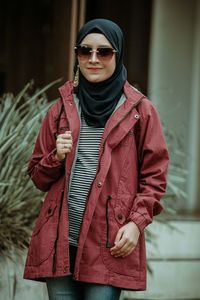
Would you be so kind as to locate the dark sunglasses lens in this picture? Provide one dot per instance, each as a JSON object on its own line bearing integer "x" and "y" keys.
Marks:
{"x": 83, "y": 51}
{"x": 105, "y": 52}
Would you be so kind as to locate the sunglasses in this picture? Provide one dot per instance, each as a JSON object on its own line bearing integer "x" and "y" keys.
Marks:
{"x": 85, "y": 52}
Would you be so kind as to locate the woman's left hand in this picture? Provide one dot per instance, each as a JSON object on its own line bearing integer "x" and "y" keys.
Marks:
{"x": 126, "y": 240}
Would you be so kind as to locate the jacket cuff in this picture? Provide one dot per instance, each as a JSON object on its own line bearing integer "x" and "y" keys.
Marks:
{"x": 139, "y": 220}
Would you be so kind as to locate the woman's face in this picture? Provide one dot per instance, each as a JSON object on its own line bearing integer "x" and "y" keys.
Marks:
{"x": 96, "y": 68}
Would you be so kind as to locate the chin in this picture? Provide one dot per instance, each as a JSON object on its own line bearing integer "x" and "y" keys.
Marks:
{"x": 94, "y": 79}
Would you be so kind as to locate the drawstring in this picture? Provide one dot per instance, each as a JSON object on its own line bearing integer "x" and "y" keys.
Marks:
{"x": 55, "y": 245}
{"x": 108, "y": 245}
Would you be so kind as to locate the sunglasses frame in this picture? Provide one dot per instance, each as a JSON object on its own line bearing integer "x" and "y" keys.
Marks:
{"x": 98, "y": 52}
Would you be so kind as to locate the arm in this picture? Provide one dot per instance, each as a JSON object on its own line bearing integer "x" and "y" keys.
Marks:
{"x": 44, "y": 168}
{"x": 153, "y": 166}
{"x": 153, "y": 157}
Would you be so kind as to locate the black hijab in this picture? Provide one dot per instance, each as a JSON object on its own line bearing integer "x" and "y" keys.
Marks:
{"x": 98, "y": 100}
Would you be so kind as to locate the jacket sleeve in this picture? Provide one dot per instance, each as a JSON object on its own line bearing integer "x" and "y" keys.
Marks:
{"x": 43, "y": 168}
{"x": 153, "y": 165}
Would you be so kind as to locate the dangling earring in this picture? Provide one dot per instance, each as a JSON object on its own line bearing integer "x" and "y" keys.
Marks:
{"x": 76, "y": 77}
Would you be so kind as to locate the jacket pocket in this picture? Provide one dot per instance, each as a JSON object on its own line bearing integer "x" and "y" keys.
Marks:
{"x": 129, "y": 265}
{"x": 44, "y": 234}
{"x": 49, "y": 211}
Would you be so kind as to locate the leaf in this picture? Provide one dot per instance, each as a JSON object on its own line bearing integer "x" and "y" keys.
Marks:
{"x": 20, "y": 201}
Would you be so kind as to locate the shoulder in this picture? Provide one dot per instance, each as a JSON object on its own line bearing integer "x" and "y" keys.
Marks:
{"x": 65, "y": 90}
{"x": 54, "y": 110}
{"x": 142, "y": 103}
{"x": 146, "y": 105}
{"x": 52, "y": 116}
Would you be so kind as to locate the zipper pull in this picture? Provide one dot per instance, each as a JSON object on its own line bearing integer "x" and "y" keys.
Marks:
{"x": 108, "y": 245}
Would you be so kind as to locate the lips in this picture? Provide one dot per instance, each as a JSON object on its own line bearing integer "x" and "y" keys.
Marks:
{"x": 94, "y": 69}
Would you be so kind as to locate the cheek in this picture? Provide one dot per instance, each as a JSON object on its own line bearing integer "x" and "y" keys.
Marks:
{"x": 113, "y": 66}
{"x": 110, "y": 68}
{"x": 83, "y": 69}
{"x": 107, "y": 71}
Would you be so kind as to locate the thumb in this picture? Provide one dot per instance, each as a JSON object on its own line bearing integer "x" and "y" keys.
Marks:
{"x": 119, "y": 235}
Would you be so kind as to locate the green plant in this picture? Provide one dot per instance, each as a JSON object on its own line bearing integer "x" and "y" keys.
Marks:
{"x": 20, "y": 202}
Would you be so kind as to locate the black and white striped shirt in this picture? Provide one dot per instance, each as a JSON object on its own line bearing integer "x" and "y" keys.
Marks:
{"x": 82, "y": 177}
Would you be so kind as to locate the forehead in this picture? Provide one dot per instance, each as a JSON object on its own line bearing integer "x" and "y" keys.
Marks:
{"x": 96, "y": 39}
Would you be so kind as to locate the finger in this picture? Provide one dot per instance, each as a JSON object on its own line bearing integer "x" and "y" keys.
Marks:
{"x": 118, "y": 247}
{"x": 123, "y": 246}
{"x": 119, "y": 236}
{"x": 63, "y": 148}
{"x": 64, "y": 145}
{"x": 68, "y": 132}
{"x": 125, "y": 250}
{"x": 63, "y": 140}
{"x": 117, "y": 239}
{"x": 65, "y": 135}
{"x": 127, "y": 253}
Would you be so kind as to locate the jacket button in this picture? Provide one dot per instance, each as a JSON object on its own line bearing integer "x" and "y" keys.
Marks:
{"x": 99, "y": 184}
{"x": 120, "y": 217}
{"x": 136, "y": 117}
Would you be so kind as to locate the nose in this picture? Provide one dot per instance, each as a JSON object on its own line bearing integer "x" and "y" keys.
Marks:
{"x": 93, "y": 57}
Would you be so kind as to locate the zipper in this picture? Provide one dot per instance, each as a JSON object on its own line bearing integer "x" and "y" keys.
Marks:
{"x": 56, "y": 241}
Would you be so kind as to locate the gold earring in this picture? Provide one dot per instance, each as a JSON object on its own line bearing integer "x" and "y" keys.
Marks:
{"x": 76, "y": 77}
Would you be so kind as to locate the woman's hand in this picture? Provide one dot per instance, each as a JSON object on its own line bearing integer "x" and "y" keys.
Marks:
{"x": 63, "y": 145}
{"x": 126, "y": 240}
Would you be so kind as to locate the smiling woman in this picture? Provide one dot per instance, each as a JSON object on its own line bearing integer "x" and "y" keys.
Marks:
{"x": 96, "y": 63}
{"x": 101, "y": 156}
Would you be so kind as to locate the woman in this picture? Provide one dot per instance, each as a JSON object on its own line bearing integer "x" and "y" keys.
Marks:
{"x": 102, "y": 158}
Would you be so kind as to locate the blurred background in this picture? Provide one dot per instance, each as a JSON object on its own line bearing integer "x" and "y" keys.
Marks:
{"x": 162, "y": 56}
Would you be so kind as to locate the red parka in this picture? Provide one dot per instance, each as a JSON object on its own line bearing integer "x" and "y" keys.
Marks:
{"x": 129, "y": 182}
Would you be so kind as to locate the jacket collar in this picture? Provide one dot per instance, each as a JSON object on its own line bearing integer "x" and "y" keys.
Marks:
{"x": 66, "y": 90}
{"x": 132, "y": 95}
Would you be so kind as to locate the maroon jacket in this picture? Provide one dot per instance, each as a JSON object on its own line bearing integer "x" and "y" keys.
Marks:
{"x": 130, "y": 180}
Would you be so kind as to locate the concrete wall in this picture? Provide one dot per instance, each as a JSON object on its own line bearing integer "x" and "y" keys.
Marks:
{"x": 174, "y": 80}
{"x": 14, "y": 287}
{"x": 175, "y": 262}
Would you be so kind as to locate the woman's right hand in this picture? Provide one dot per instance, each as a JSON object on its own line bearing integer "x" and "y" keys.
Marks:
{"x": 63, "y": 145}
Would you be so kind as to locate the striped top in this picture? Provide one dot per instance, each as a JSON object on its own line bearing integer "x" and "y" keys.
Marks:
{"x": 82, "y": 176}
